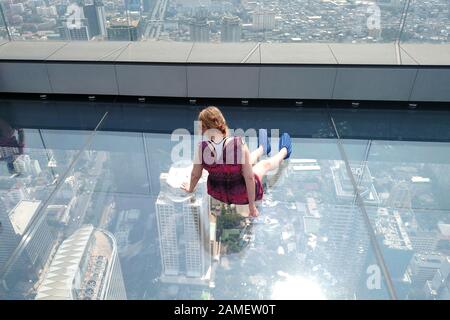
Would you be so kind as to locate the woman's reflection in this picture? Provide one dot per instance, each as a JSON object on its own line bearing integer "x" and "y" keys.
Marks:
{"x": 12, "y": 143}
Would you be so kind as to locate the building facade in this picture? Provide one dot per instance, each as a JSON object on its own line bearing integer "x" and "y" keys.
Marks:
{"x": 183, "y": 228}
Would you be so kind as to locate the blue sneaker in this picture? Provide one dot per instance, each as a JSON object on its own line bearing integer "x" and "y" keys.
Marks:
{"x": 285, "y": 142}
{"x": 263, "y": 140}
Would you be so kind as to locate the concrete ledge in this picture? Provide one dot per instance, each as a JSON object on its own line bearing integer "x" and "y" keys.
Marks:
{"x": 29, "y": 77}
{"x": 82, "y": 78}
{"x": 413, "y": 72}
{"x": 364, "y": 83}
{"x": 299, "y": 82}
{"x": 223, "y": 81}
{"x": 153, "y": 80}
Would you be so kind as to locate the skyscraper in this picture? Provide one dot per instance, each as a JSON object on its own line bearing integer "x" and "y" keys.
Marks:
{"x": 199, "y": 29}
{"x": 74, "y": 33}
{"x": 231, "y": 29}
{"x": 74, "y": 25}
{"x": 346, "y": 245}
{"x": 344, "y": 188}
{"x": 8, "y": 238}
{"x": 263, "y": 20}
{"x": 96, "y": 20}
{"x": 123, "y": 29}
{"x": 85, "y": 267}
{"x": 18, "y": 223}
{"x": 122, "y": 33}
{"x": 184, "y": 229}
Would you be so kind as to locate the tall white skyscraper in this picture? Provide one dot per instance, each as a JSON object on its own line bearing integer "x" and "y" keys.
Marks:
{"x": 263, "y": 20}
{"x": 8, "y": 238}
{"x": 25, "y": 165}
{"x": 231, "y": 29}
{"x": 16, "y": 225}
{"x": 100, "y": 10}
{"x": 184, "y": 228}
{"x": 347, "y": 244}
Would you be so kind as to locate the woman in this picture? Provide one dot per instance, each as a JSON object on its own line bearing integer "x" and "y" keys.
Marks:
{"x": 235, "y": 175}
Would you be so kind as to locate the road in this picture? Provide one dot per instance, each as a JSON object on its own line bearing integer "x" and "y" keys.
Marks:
{"x": 154, "y": 25}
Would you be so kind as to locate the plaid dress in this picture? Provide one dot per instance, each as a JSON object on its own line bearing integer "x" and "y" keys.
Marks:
{"x": 225, "y": 180}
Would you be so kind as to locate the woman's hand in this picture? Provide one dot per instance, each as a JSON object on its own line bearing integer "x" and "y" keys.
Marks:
{"x": 186, "y": 187}
{"x": 253, "y": 211}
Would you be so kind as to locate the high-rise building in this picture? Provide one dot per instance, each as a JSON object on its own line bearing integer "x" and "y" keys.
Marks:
{"x": 96, "y": 19}
{"x": 231, "y": 29}
{"x": 8, "y": 237}
{"x": 343, "y": 185}
{"x": 85, "y": 267}
{"x": 16, "y": 225}
{"x": 396, "y": 245}
{"x": 23, "y": 164}
{"x": 430, "y": 241}
{"x": 346, "y": 245}
{"x": 263, "y": 20}
{"x": 74, "y": 25}
{"x": 184, "y": 229}
{"x": 122, "y": 33}
{"x": 74, "y": 33}
{"x": 423, "y": 267}
{"x": 199, "y": 30}
{"x": 438, "y": 288}
{"x": 121, "y": 29}
{"x": 41, "y": 241}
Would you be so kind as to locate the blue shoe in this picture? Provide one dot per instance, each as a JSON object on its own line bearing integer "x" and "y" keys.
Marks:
{"x": 263, "y": 140}
{"x": 285, "y": 142}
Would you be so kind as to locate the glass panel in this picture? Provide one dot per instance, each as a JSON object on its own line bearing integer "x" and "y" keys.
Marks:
{"x": 118, "y": 207}
{"x": 302, "y": 237}
{"x": 427, "y": 21}
{"x": 403, "y": 185}
{"x": 3, "y": 25}
{"x": 34, "y": 162}
{"x": 221, "y": 21}
{"x": 119, "y": 220}
{"x": 413, "y": 217}
{"x": 388, "y": 124}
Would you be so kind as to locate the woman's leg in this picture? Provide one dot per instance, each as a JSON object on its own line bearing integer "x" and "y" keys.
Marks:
{"x": 256, "y": 154}
{"x": 266, "y": 165}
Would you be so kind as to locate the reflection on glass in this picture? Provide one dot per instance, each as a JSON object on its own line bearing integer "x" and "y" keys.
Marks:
{"x": 32, "y": 165}
{"x": 184, "y": 229}
{"x": 120, "y": 224}
{"x": 85, "y": 267}
{"x": 427, "y": 21}
{"x": 411, "y": 218}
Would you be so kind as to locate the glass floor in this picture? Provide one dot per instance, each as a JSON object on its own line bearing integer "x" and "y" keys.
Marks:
{"x": 360, "y": 211}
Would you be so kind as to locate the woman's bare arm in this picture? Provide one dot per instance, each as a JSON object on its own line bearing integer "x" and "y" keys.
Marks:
{"x": 196, "y": 174}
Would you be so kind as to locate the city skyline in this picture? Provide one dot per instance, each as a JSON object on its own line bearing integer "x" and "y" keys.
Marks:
{"x": 258, "y": 21}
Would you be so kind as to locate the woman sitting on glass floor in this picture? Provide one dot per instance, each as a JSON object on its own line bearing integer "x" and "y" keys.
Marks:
{"x": 235, "y": 174}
